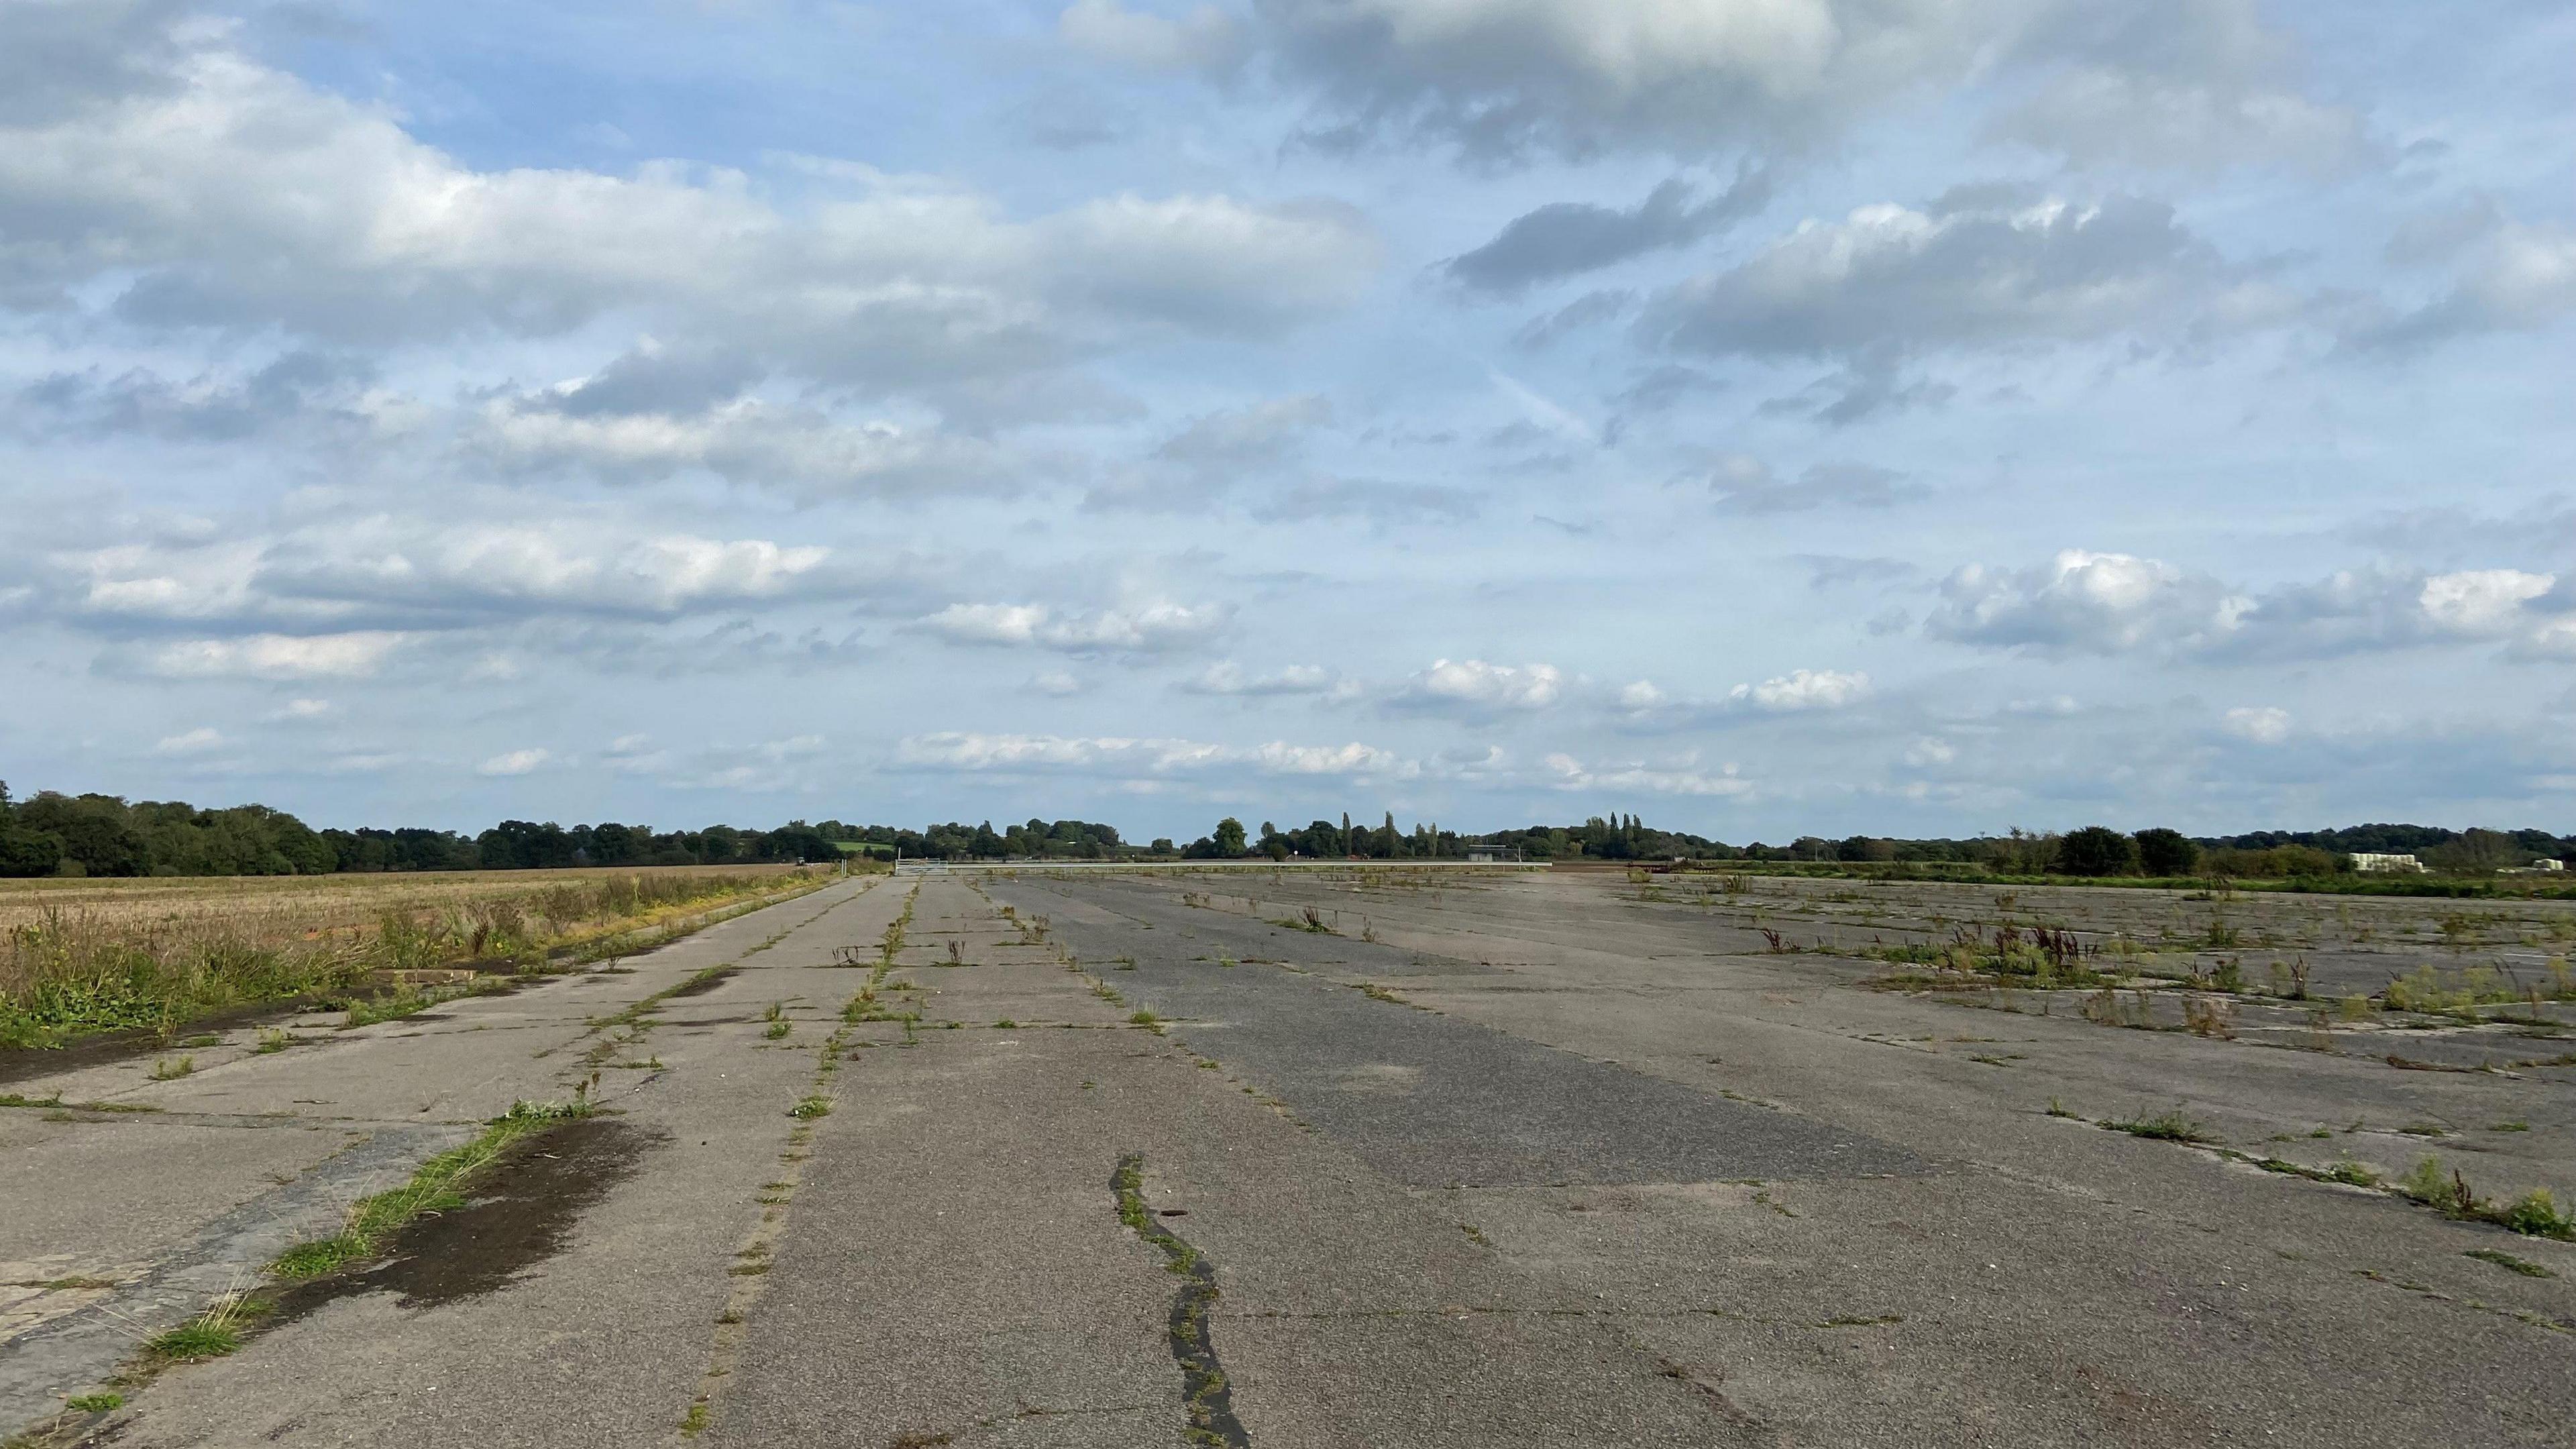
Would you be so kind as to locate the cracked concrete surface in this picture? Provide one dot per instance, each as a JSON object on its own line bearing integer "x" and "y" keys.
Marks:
{"x": 1542, "y": 1163}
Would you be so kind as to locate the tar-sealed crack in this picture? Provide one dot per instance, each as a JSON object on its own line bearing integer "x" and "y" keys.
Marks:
{"x": 1204, "y": 1393}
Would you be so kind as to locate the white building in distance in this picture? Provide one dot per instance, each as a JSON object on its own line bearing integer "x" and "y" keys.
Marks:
{"x": 2369, "y": 860}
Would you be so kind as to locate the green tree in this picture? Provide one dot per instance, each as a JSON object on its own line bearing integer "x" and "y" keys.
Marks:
{"x": 2096, "y": 850}
{"x": 91, "y": 831}
{"x": 2476, "y": 852}
{"x": 24, "y": 851}
{"x": 797, "y": 841}
{"x": 2167, "y": 852}
{"x": 1229, "y": 837}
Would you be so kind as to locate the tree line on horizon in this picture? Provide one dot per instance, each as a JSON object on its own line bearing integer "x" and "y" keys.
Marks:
{"x": 107, "y": 835}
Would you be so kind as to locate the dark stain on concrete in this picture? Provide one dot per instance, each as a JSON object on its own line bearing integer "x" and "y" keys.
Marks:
{"x": 521, "y": 1214}
{"x": 521, "y": 1210}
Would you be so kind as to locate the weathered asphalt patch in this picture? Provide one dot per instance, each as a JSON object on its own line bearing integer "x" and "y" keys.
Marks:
{"x": 1431, "y": 1100}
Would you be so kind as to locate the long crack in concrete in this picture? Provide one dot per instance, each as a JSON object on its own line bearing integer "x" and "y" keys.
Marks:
{"x": 1204, "y": 1393}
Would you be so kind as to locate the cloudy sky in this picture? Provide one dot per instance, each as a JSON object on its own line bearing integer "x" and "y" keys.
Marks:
{"x": 1768, "y": 416}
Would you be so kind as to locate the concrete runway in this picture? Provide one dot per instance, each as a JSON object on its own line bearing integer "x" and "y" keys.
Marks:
{"x": 1123, "y": 1160}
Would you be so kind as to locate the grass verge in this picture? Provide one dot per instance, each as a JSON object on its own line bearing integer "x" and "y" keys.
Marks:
{"x": 119, "y": 965}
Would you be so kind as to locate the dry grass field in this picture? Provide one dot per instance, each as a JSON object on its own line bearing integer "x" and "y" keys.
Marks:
{"x": 83, "y": 956}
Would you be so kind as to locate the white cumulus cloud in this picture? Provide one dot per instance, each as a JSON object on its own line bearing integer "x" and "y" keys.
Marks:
{"x": 2084, "y": 601}
{"x": 277, "y": 656}
{"x": 1804, "y": 689}
{"x": 1475, "y": 684}
{"x": 1147, "y": 628}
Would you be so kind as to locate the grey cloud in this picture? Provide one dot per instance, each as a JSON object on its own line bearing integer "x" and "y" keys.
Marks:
{"x": 1565, "y": 238}
{"x": 2158, "y": 81}
{"x": 2108, "y": 603}
{"x": 1575, "y": 77}
{"x": 2343, "y": 614}
{"x": 659, "y": 380}
{"x": 240, "y": 198}
{"x": 69, "y": 56}
{"x": 1889, "y": 278}
{"x": 2182, "y": 83}
{"x": 212, "y": 407}
{"x": 2513, "y": 278}
{"x": 2394, "y": 608}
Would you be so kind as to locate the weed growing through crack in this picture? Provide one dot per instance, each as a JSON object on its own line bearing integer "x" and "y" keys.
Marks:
{"x": 2203, "y": 1016}
{"x": 2509, "y": 1262}
{"x": 196, "y": 1339}
{"x": 211, "y": 1334}
{"x": 99, "y": 1403}
{"x": 2345, "y": 1170}
{"x": 171, "y": 1069}
{"x": 809, "y": 1108}
{"x": 2535, "y": 1214}
{"x": 778, "y": 1030}
{"x": 272, "y": 1041}
{"x": 2170, "y": 1126}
